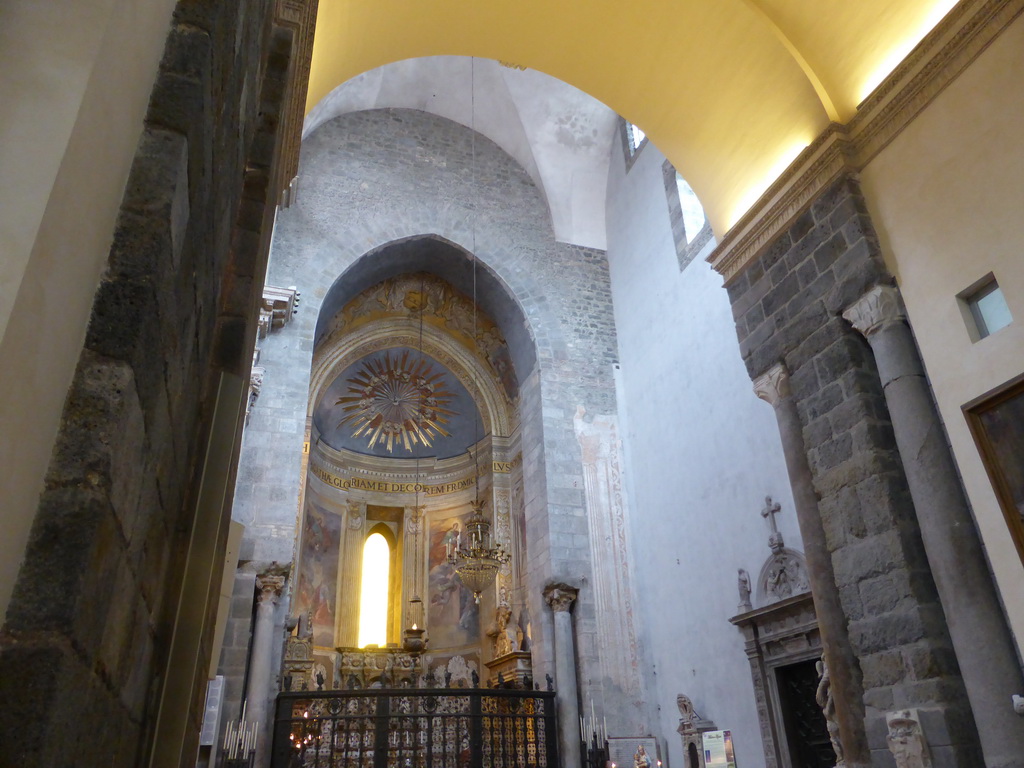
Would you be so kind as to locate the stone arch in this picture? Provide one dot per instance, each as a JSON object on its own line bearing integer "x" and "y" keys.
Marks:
{"x": 365, "y": 177}
{"x": 476, "y": 218}
{"x": 451, "y": 262}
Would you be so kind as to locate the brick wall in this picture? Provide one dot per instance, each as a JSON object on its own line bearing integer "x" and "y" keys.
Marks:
{"x": 787, "y": 307}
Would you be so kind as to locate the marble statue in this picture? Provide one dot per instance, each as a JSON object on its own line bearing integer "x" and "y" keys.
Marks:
{"x": 743, "y": 584}
{"x": 506, "y": 640}
{"x": 823, "y": 696}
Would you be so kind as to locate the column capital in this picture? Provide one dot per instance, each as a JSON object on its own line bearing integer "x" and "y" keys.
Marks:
{"x": 560, "y": 596}
{"x": 356, "y": 514}
{"x": 413, "y": 520}
{"x": 270, "y": 586}
{"x": 875, "y": 309}
{"x": 773, "y": 385}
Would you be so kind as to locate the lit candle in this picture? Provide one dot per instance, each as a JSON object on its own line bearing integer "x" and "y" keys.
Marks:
{"x": 414, "y": 626}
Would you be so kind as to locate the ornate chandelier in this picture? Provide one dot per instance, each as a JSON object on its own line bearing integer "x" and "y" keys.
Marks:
{"x": 478, "y": 563}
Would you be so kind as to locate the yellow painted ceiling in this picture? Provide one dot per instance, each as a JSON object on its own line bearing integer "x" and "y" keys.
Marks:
{"x": 729, "y": 90}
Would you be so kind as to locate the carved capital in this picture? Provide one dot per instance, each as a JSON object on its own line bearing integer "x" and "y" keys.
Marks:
{"x": 875, "y": 309}
{"x": 773, "y": 385}
{"x": 356, "y": 515}
{"x": 270, "y": 586}
{"x": 413, "y": 520}
{"x": 560, "y": 597}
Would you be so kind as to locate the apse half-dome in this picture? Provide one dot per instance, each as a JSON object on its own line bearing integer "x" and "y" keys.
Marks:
{"x": 401, "y": 403}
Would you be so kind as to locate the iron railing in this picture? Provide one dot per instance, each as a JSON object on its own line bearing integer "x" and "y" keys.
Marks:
{"x": 416, "y": 728}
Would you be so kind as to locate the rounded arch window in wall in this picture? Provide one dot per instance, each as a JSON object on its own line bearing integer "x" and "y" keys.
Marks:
{"x": 373, "y": 597}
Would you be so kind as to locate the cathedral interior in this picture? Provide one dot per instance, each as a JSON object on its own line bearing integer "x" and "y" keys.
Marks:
{"x": 455, "y": 384}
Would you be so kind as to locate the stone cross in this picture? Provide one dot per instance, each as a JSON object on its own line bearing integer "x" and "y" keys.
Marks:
{"x": 772, "y": 508}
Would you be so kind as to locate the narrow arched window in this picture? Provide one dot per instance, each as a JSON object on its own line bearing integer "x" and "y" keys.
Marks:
{"x": 693, "y": 213}
{"x": 374, "y": 596}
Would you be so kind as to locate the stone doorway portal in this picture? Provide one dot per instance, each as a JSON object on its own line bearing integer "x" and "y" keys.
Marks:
{"x": 806, "y": 731}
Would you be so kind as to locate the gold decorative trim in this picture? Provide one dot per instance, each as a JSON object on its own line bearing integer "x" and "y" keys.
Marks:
{"x": 506, "y": 467}
{"x": 356, "y": 483}
{"x": 936, "y": 61}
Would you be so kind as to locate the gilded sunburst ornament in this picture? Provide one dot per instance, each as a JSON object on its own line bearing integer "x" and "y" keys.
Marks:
{"x": 397, "y": 403}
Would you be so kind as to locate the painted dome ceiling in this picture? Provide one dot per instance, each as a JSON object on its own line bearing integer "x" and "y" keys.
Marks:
{"x": 398, "y": 403}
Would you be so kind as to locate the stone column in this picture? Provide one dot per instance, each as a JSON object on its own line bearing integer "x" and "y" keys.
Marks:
{"x": 847, "y": 693}
{"x": 258, "y": 691}
{"x": 981, "y": 638}
{"x": 561, "y": 597}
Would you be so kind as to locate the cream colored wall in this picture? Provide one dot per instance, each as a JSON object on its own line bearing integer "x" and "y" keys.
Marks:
{"x": 948, "y": 199}
{"x": 75, "y": 77}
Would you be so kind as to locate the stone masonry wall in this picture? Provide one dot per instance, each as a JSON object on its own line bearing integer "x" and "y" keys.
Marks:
{"x": 372, "y": 178}
{"x": 85, "y": 644}
{"x": 787, "y": 307}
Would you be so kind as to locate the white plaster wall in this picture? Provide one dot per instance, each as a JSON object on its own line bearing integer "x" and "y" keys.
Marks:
{"x": 557, "y": 133}
{"x": 947, "y": 197}
{"x": 75, "y": 78}
{"x": 702, "y": 453}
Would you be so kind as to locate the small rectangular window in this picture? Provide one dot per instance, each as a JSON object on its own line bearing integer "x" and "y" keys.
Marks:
{"x": 984, "y": 308}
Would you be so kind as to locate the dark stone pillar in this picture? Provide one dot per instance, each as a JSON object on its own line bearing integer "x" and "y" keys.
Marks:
{"x": 981, "y": 637}
{"x": 847, "y": 692}
{"x": 787, "y": 306}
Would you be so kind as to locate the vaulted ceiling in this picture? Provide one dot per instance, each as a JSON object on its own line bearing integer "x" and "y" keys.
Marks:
{"x": 730, "y": 90}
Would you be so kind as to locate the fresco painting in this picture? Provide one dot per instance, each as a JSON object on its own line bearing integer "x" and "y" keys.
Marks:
{"x": 453, "y": 617}
{"x": 318, "y": 572}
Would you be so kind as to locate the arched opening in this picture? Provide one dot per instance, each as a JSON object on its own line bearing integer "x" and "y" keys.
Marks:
{"x": 413, "y": 418}
{"x": 374, "y": 591}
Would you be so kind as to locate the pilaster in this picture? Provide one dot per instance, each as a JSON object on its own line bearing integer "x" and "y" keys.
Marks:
{"x": 353, "y": 529}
